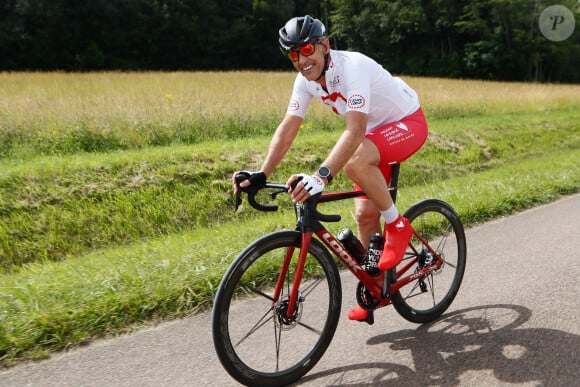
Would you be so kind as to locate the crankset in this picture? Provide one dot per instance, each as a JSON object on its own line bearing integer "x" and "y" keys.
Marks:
{"x": 365, "y": 298}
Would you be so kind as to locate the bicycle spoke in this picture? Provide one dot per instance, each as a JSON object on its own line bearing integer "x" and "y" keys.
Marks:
{"x": 278, "y": 339}
{"x": 309, "y": 328}
{"x": 410, "y": 292}
{"x": 452, "y": 265}
{"x": 444, "y": 238}
{"x": 409, "y": 296}
{"x": 432, "y": 286}
{"x": 261, "y": 322}
{"x": 261, "y": 293}
{"x": 311, "y": 287}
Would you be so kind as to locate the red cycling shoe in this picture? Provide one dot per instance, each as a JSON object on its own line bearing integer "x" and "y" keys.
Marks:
{"x": 397, "y": 237}
{"x": 358, "y": 313}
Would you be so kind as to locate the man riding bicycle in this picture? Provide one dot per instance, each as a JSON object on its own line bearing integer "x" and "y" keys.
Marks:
{"x": 384, "y": 125}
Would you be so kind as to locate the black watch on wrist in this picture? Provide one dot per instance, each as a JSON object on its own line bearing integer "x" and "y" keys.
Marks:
{"x": 324, "y": 172}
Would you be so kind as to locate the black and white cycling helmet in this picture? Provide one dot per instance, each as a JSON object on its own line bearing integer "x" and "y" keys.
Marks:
{"x": 299, "y": 31}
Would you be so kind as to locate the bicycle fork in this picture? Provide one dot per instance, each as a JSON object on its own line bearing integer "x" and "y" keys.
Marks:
{"x": 294, "y": 292}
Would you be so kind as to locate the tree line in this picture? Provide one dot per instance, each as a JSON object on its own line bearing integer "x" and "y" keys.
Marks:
{"x": 485, "y": 39}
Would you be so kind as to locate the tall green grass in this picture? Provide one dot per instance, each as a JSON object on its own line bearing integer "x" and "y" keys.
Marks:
{"x": 57, "y": 206}
{"x": 57, "y": 305}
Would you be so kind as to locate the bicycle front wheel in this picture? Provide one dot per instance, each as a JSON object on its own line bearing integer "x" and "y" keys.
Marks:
{"x": 426, "y": 298}
{"x": 255, "y": 339}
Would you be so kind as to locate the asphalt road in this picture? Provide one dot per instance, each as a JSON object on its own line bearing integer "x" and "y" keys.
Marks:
{"x": 516, "y": 321}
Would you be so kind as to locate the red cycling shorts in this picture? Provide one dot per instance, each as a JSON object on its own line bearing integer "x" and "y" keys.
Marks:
{"x": 397, "y": 141}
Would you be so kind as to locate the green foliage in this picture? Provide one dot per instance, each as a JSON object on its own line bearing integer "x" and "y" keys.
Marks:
{"x": 475, "y": 39}
{"x": 504, "y": 42}
{"x": 141, "y": 34}
{"x": 497, "y": 39}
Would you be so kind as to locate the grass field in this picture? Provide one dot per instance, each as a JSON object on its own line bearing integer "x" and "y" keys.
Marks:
{"x": 115, "y": 202}
{"x": 60, "y": 113}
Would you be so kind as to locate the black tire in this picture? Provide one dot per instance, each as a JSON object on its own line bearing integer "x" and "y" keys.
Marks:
{"x": 438, "y": 223}
{"x": 255, "y": 344}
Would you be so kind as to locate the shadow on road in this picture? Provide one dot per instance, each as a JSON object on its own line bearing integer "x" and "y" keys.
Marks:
{"x": 474, "y": 339}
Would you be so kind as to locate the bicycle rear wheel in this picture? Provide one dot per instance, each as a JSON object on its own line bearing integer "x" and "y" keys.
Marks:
{"x": 256, "y": 342}
{"x": 425, "y": 299}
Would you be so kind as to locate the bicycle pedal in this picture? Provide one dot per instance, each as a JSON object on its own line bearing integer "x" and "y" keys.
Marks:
{"x": 370, "y": 318}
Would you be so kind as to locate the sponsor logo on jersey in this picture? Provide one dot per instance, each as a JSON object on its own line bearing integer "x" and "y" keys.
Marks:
{"x": 356, "y": 101}
{"x": 335, "y": 81}
{"x": 294, "y": 105}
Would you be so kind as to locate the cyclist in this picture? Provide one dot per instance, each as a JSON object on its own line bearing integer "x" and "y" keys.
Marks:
{"x": 384, "y": 124}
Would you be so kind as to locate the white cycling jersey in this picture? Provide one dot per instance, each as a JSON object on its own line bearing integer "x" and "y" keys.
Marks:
{"x": 356, "y": 82}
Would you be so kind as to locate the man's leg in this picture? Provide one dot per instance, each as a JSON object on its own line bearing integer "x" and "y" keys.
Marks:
{"x": 367, "y": 219}
{"x": 364, "y": 171}
{"x": 392, "y": 143}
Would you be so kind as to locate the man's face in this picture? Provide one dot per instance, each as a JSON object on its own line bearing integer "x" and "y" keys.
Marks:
{"x": 311, "y": 66}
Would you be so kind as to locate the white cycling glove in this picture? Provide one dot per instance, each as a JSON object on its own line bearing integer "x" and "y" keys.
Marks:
{"x": 312, "y": 183}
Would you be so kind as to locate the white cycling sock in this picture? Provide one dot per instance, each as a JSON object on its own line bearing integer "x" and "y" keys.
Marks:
{"x": 391, "y": 214}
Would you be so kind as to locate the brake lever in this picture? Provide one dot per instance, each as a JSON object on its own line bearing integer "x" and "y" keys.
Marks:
{"x": 238, "y": 179}
{"x": 251, "y": 191}
{"x": 238, "y": 199}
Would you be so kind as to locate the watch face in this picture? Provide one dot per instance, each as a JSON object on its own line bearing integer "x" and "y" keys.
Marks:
{"x": 324, "y": 172}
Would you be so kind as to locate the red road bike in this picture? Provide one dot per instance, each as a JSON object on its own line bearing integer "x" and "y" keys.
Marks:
{"x": 287, "y": 287}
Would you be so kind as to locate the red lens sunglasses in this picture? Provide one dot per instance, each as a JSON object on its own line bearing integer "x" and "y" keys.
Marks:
{"x": 306, "y": 50}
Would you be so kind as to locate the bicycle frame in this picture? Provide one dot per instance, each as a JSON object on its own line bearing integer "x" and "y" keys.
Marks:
{"x": 309, "y": 224}
{"x": 378, "y": 286}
